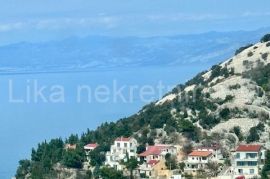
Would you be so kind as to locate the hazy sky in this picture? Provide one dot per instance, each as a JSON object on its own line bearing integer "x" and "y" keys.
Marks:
{"x": 35, "y": 20}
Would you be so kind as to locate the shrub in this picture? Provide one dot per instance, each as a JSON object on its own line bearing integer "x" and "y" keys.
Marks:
{"x": 250, "y": 54}
{"x": 265, "y": 38}
{"x": 225, "y": 113}
{"x": 234, "y": 87}
{"x": 241, "y": 49}
{"x": 238, "y": 133}
{"x": 264, "y": 56}
{"x": 254, "y": 133}
{"x": 268, "y": 44}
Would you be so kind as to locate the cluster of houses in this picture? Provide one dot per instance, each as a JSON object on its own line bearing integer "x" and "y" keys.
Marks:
{"x": 246, "y": 160}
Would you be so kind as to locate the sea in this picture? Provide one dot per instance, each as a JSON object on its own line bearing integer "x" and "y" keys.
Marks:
{"x": 40, "y": 106}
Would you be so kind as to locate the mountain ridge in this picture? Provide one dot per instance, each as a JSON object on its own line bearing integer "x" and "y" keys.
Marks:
{"x": 102, "y": 52}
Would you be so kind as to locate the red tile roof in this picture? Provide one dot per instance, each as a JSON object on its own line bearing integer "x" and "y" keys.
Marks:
{"x": 248, "y": 148}
{"x": 200, "y": 153}
{"x": 153, "y": 150}
{"x": 152, "y": 162}
{"x": 122, "y": 139}
{"x": 91, "y": 145}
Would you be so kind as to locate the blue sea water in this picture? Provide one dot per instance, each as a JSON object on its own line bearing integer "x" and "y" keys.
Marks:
{"x": 23, "y": 124}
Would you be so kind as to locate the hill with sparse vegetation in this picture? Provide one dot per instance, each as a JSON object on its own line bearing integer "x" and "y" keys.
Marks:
{"x": 227, "y": 104}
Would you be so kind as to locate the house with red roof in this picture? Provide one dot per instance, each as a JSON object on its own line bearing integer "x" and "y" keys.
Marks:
{"x": 214, "y": 148}
{"x": 197, "y": 160}
{"x": 88, "y": 148}
{"x": 248, "y": 160}
{"x": 122, "y": 148}
{"x": 157, "y": 152}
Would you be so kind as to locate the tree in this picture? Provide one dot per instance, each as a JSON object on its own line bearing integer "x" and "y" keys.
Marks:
{"x": 170, "y": 161}
{"x": 110, "y": 173}
{"x": 265, "y": 38}
{"x": 72, "y": 159}
{"x": 238, "y": 133}
{"x": 266, "y": 168}
{"x": 23, "y": 169}
{"x": 213, "y": 168}
{"x": 131, "y": 164}
{"x": 187, "y": 148}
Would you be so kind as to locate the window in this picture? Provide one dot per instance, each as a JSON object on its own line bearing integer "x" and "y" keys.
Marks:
{"x": 240, "y": 171}
{"x": 203, "y": 158}
{"x": 251, "y": 171}
{"x": 125, "y": 145}
{"x": 130, "y": 145}
{"x": 118, "y": 144}
{"x": 240, "y": 163}
{"x": 252, "y": 163}
{"x": 251, "y": 155}
{"x": 237, "y": 155}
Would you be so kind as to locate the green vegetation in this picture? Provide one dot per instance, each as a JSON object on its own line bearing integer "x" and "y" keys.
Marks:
{"x": 250, "y": 54}
{"x": 264, "y": 56}
{"x": 238, "y": 133}
{"x": 170, "y": 161}
{"x": 241, "y": 49}
{"x": 260, "y": 75}
{"x": 265, "y": 38}
{"x": 266, "y": 169}
{"x": 254, "y": 133}
{"x": 111, "y": 173}
{"x": 234, "y": 87}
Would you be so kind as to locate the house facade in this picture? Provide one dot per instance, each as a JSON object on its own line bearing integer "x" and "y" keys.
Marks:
{"x": 248, "y": 160}
{"x": 197, "y": 160}
{"x": 120, "y": 150}
{"x": 157, "y": 152}
{"x": 88, "y": 148}
{"x": 215, "y": 149}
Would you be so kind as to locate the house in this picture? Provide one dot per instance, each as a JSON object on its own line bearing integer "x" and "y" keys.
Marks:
{"x": 121, "y": 149}
{"x": 157, "y": 169}
{"x": 248, "y": 160}
{"x": 197, "y": 160}
{"x": 88, "y": 148}
{"x": 157, "y": 152}
{"x": 214, "y": 148}
{"x": 70, "y": 146}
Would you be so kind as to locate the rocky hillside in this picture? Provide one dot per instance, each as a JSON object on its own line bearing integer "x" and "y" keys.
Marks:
{"x": 227, "y": 104}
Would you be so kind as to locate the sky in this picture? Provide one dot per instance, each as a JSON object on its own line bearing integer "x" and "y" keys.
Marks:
{"x": 44, "y": 20}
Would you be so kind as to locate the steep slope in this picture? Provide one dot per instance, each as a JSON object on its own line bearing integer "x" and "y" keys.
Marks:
{"x": 226, "y": 104}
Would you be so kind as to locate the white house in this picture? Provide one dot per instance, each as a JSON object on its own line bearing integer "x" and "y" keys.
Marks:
{"x": 248, "y": 160}
{"x": 88, "y": 148}
{"x": 214, "y": 148}
{"x": 157, "y": 152}
{"x": 119, "y": 151}
{"x": 197, "y": 160}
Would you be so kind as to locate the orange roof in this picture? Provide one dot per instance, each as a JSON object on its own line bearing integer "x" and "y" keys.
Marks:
{"x": 200, "y": 153}
{"x": 122, "y": 139}
{"x": 248, "y": 148}
{"x": 91, "y": 145}
{"x": 153, "y": 150}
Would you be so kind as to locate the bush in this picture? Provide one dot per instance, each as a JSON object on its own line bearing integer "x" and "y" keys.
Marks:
{"x": 234, "y": 87}
{"x": 268, "y": 44}
{"x": 265, "y": 38}
{"x": 224, "y": 113}
{"x": 250, "y": 54}
{"x": 264, "y": 56}
{"x": 254, "y": 133}
{"x": 241, "y": 49}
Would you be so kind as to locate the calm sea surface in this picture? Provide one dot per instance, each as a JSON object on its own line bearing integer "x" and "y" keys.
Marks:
{"x": 26, "y": 118}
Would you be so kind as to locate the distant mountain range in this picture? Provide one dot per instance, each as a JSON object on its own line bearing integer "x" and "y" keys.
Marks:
{"x": 101, "y": 52}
